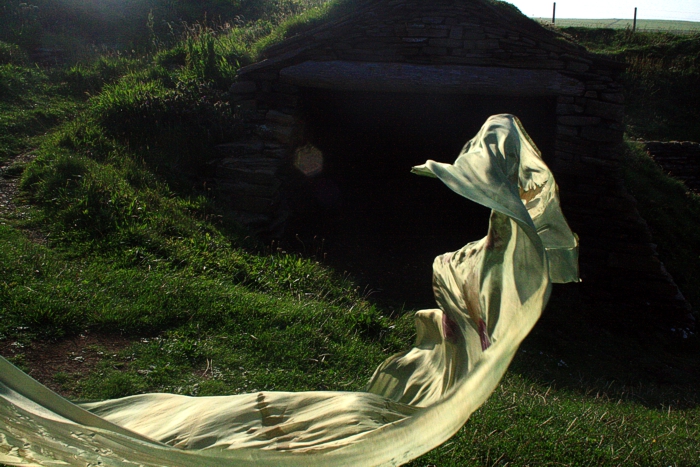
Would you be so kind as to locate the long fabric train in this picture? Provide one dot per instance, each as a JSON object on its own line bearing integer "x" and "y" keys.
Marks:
{"x": 490, "y": 294}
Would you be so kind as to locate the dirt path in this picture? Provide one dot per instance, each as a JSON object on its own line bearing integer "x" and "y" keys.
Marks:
{"x": 9, "y": 183}
{"x": 61, "y": 364}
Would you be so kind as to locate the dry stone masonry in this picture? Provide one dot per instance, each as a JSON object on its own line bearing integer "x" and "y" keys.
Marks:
{"x": 681, "y": 159}
{"x": 476, "y": 48}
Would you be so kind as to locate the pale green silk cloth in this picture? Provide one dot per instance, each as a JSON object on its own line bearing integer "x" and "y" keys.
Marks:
{"x": 490, "y": 293}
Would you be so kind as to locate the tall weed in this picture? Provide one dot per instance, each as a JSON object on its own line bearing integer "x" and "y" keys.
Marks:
{"x": 90, "y": 77}
{"x": 203, "y": 58}
{"x": 21, "y": 24}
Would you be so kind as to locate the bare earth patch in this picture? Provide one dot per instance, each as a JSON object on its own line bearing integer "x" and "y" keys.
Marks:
{"x": 10, "y": 205}
{"x": 59, "y": 365}
{"x": 9, "y": 182}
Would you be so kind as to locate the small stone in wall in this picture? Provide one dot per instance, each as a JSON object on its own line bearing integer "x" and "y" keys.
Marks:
{"x": 308, "y": 160}
{"x": 243, "y": 87}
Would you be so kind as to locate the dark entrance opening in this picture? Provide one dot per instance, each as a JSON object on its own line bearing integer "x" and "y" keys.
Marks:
{"x": 379, "y": 222}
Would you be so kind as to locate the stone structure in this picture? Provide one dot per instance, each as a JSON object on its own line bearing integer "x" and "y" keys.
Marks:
{"x": 681, "y": 159}
{"x": 450, "y": 50}
{"x": 48, "y": 57}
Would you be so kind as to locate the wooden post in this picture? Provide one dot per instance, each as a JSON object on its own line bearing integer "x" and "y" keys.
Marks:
{"x": 634, "y": 22}
{"x": 554, "y": 12}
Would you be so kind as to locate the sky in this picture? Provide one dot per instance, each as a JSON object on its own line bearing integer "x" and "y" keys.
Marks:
{"x": 685, "y": 10}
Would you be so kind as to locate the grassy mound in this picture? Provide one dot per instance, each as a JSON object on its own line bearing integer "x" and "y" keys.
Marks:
{"x": 116, "y": 238}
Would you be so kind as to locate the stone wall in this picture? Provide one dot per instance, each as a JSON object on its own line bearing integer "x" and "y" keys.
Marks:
{"x": 680, "y": 159}
{"x": 425, "y": 40}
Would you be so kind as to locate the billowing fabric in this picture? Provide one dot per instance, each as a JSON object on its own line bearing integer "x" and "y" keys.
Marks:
{"x": 489, "y": 294}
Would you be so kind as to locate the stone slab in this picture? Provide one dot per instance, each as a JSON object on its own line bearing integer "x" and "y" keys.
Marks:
{"x": 443, "y": 79}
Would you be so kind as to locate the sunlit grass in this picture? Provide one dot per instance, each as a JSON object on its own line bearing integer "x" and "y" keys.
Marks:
{"x": 122, "y": 244}
{"x": 529, "y": 423}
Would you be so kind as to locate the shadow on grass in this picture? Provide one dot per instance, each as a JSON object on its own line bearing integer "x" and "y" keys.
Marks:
{"x": 572, "y": 348}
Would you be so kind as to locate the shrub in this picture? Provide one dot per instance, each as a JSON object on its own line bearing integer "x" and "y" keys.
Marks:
{"x": 20, "y": 24}
{"x": 92, "y": 76}
{"x": 11, "y": 54}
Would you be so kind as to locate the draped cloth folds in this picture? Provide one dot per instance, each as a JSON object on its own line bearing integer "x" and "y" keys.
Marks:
{"x": 490, "y": 293}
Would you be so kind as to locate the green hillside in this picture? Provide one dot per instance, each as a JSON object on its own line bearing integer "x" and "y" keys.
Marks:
{"x": 120, "y": 274}
{"x": 646, "y": 25}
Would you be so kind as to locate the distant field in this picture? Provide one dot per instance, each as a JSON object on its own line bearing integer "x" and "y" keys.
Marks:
{"x": 642, "y": 24}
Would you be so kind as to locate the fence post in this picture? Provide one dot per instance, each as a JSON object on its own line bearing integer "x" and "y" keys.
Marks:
{"x": 634, "y": 22}
{"x": 554, "y": 11}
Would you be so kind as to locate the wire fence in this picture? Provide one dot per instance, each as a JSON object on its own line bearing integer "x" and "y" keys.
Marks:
{"x": 648, "y": 25}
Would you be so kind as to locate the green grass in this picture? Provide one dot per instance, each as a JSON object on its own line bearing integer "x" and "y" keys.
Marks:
{"x": 76, "y": 26}
{"x": 113, "y": 239}
{"x": 673, "y": 213}
{"x": 527, "y": 423}
{"x": 643, "y": 25}
{"x": 30, "y": 105}
{"x": 34, "y": 100}
{"x": 662, "y": 81}
{"x": 292, "y": 333}
{"x": 296, "y": 24}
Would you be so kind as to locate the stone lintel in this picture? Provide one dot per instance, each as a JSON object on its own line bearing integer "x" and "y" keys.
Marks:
{"x": 443, "y": 79}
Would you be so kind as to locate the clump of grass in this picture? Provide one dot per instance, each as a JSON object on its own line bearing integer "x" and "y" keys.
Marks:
{"x": 237, "y": 43}
{"x": 203, "y": 61}
{"x": 17, "y": 81}
{"x": 172, "y": 122}
{"x": 92, "y": 76}
{"x": 90, "y": 201}
{"x": 301, "y": 22}
{"x": 207, "y": 53}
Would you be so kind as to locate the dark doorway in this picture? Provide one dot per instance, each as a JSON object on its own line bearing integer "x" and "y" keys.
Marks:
{"x": 381, "y": 223}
